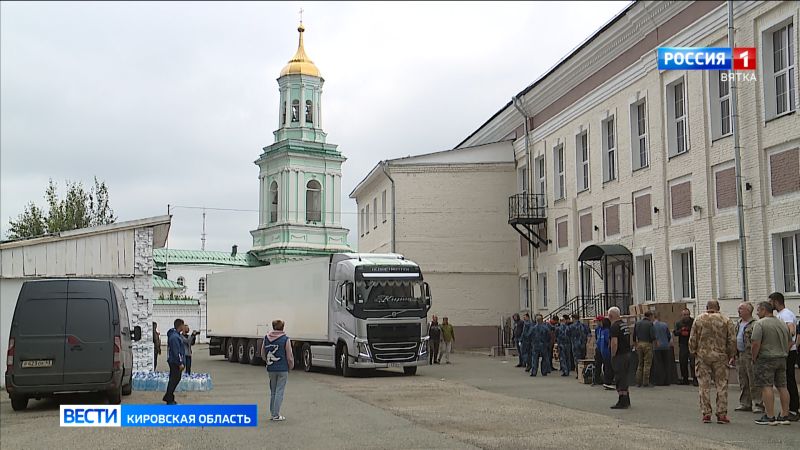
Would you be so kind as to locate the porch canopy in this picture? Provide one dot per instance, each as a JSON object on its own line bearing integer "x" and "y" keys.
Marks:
{"x": 613, "y": 263}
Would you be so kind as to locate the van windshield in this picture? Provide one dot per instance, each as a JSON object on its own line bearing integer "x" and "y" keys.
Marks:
{"x": 390, "y": 294}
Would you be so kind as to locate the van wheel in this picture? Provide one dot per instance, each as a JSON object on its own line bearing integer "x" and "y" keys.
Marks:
{"x": 230, "y": 350}
{"x": 344, "y": 362}
{"x": 19, "y": 403}
{"x": 305, "y": 357}
{"x": 253, "y": 353}
{"x": 241, "y": 351}
{"x": 127, "y": 389}
{"x": 410, "y": 370}
{"x": 115, "y": 396}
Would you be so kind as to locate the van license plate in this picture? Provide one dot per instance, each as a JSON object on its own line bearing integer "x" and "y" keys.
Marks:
{"x": 34, "y": 363}
{"x": 394, "y": 364}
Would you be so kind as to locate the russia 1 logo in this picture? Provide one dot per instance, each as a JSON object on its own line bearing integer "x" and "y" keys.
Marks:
{"x": 744, "y": 58}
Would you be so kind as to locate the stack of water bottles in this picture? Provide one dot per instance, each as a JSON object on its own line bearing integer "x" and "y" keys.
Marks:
{"x": 157, "y": 381}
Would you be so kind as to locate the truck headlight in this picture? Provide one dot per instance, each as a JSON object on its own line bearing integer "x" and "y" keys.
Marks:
{"x": 363, "y": 350}
{"x": 423, "y": 347}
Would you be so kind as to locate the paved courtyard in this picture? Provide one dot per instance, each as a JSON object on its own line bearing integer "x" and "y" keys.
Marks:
{"x": 476, "y": 402}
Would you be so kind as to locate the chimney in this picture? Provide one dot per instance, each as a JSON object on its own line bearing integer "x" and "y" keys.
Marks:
{"x": 233, "y": 251}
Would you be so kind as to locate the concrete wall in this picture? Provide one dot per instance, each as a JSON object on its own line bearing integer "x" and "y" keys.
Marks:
{"x": 451, "y": 220}
{"x": 707, "y": 229}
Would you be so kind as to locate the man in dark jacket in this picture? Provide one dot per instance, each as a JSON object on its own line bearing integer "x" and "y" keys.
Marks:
{"x": 435, "y": 335}
{"x": 517, "y": 336}
{"x": 683, "y": 329}
{"x": 175, "y": 359}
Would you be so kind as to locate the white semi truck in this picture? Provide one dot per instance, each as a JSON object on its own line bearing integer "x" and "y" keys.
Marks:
{"x": 347, "y": 311}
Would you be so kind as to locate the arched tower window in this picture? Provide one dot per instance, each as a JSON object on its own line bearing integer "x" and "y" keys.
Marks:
{"x": 273, "y": 195}
{"x": 283, "y": 113}
{"x": 309, "y": 114}
{"x": 295, "y": 110}
{"x": 181, "y": 281}
{"x": 313, "y": 201}
{"x": 201, "y": 284}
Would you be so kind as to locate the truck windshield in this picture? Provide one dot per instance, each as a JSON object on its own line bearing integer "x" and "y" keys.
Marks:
{"x": 390, "y": 294}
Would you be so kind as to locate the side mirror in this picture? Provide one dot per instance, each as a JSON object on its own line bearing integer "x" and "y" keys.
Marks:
{"x": 137, "y": 333}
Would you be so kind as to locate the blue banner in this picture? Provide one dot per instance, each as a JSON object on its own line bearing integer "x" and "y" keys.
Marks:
{"x": 189, "y": 415}
{"x": 695, "y": 58}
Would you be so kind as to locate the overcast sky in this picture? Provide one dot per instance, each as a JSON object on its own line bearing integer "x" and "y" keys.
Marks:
{"x": 170, "y": 103}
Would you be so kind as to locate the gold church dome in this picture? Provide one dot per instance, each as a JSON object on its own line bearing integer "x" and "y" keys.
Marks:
{"x": 300, "y": 64}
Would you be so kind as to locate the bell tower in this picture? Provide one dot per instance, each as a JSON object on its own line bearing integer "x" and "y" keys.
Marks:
{"x": 300, "y": 174}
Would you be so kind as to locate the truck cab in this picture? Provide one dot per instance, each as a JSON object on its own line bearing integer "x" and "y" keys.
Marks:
{"x": 379, "y": 305}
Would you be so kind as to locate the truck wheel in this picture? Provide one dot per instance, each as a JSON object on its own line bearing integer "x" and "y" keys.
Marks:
{"x": 115, "y": 395}
{"x": 230, "y": 350}
{"x": 19, "y": 402}
{"x": 305, "y": 355}
{"x": 253, "y": 353}
{"x": 410, "y": 370}
{"x": 241, "y": 351}
{"x": 344, "y": 362}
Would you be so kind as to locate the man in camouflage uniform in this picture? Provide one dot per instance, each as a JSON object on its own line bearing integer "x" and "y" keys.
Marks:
{"x": 580, "y": 332}
{"x": 540, "y": 339}
{"x": 750, "y": 398}
{"x": 565, "y": 359}
{"x": 713, "y": 341}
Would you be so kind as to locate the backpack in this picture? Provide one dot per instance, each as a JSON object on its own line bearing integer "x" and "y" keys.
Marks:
{"x": 588, "y": 373}
{"x": 435, "y": 333}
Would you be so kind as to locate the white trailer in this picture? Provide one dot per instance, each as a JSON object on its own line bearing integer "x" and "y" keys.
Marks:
{"x": 346, "y": 311}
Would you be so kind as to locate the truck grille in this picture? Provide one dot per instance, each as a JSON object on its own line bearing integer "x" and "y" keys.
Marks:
{"x": 389, "y": 352}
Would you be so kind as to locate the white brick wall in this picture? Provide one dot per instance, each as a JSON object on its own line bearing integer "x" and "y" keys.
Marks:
{"x": 763, "y": 214}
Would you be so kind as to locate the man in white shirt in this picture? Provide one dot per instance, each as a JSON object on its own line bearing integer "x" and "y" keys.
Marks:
{"x": 786, "y": 315}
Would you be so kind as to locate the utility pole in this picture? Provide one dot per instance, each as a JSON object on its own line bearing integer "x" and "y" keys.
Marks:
{"x": 203, "y": 235}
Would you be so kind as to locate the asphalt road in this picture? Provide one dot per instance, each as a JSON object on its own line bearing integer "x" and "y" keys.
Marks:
{"x": 476, "y": 402}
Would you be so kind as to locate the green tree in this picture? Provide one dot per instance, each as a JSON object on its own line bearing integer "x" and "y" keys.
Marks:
{"x": 78, "y": 209}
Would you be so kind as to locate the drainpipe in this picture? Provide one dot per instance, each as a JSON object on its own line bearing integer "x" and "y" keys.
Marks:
{"x": 737, "y": 162}
{"x": 518, "y": 105}
{"x": 384, "y": 164}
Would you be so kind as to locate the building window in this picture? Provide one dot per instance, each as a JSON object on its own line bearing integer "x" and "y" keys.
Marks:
{"x": 642, "y": 211}
{"x": 543, "y": 288}
{"x": 273, "y": 194}
{"x": 586, "y": 227}
{"x": 676, "y": 118}
{"x": 784, "y": 172}
{"x": 181, "y": 281}
{"x": 525, "y": 301}
{"x": 725, "y": 188}
{"x": 558, "y": 166}
{"x": 563, "y": 287}
{"x": 309, "y": 114}
{"x": 363, "y": 227}
{"x": 680, "y": 196}
{"x": 283, "y": 113}
{"x": 640, "y": 157}
{"x": 541, "y": 176}
{"x": 609, "y": 150}
{"x": 647, "y": 273}
{"x": 375, "y": 212}
{"x": 313, "y": 201}
{"x": 780, "y": 66}
{"x": 612, "y": 220}
{"x": 383, "y": 205}
{"x": 366, "y": 217}
{"x": 582, "y": 159}
{"x": 787, "y": 263}
{"x": 562, "y": 233}
{"x": 522, "y": 180}
{"x": 295, "y": 110}
{"x": 683, "y": 270}
{"x": 201, "y": 284}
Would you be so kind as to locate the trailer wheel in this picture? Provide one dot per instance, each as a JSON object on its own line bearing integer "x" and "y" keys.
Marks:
{"x": 241, "y": 351}
{"x": 344, "y": 362}
{"x": 253, "y": 353}
{"x": 230, "y": 350}
{"x": 305, "y": 355}
{"x": 410, "y": 370}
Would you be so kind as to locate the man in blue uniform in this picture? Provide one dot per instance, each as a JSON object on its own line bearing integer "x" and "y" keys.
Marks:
{"x": 525, "y": 347}
{"x": 540, "y": 339}
{"x": 564, "y": 346}
{"x": 580, "y": 333}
